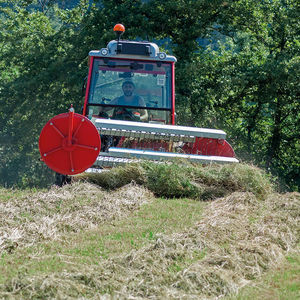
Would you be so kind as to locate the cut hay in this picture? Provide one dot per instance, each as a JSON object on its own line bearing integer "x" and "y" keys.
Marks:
{"x": 239, "y": 238}
{"x": 116, "y": 177}
{"x": 186, "y": 180}
{"x": 48, "y": 215}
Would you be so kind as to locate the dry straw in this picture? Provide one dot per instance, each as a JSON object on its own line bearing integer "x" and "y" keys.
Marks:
{"x": 49, "y": 215}
{"x": 241, "y": 236}
{"x": 185, "y": 180}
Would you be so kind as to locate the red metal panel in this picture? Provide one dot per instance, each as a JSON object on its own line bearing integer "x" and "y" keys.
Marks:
{"x": 87, "y": 92}
{"x": 209, "y": 146}
{"x": 173, "y": 94}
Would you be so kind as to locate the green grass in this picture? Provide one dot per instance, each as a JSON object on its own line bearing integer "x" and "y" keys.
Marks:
{"x": 160, "y": 216}
{"x": 106, "y": 241}
{"x": 283, "y": 283}
{"x": 9, "y": 194}
{"x": 117, "y": 237}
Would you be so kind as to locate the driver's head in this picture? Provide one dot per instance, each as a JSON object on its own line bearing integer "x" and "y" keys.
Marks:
{"x": 128, "y": 88}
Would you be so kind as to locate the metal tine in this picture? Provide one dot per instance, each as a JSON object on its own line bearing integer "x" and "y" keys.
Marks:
{"x": 146, "y": 135}
{"x": 166, "y": 130}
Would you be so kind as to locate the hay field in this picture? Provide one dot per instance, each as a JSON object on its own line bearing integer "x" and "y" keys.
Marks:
{"x": 150, "y": 232}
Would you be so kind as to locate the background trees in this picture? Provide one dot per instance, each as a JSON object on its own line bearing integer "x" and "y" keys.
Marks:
{"x": 237, "y": 69}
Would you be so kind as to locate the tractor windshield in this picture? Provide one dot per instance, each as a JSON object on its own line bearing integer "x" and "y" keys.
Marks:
{"x": 138, "y": 86}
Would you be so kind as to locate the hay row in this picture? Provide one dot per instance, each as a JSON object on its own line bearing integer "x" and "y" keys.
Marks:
{"x": 238, "y": 240}
{"x": 49, "y": 215}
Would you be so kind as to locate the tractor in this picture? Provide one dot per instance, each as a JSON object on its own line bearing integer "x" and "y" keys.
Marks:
{"x": 128, "y": 115}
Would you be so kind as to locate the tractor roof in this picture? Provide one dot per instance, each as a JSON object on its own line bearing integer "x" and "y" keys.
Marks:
{"x": 133, "y": 50}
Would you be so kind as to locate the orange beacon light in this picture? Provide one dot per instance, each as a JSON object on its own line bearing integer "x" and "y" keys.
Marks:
{"x": 119, "y": 29}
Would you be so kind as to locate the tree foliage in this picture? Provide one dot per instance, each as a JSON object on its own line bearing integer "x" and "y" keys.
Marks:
{"x": 237, "y": 70}
{"x": 40, "y": 77}
{"x": 250, "y": 83}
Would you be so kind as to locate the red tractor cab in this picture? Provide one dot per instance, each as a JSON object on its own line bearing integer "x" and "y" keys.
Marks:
{"x": 131, "y": 81}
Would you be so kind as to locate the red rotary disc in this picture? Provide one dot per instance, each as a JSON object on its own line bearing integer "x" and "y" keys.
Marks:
{"x": 69, "y": 143}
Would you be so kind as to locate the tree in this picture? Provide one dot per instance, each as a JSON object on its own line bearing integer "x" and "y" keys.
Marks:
{"x": 39, "y": 80}
{"x": 237, "y": 69}
{"x": 250, "y": 83}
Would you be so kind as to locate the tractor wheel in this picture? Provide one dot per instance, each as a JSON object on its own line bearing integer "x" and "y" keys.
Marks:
{"x": 61, "y": 179}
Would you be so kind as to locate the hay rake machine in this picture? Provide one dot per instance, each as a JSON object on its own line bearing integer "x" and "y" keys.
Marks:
{"x": 128, "y": 114}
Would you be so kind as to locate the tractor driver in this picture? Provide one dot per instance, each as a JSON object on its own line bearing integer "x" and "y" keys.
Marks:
{"x": 128, "y": 99}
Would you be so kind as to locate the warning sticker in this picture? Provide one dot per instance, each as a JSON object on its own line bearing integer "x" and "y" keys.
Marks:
{"x": 161, "y": 79}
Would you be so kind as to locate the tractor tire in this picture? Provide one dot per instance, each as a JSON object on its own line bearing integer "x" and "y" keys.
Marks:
{"x": 61, "y": 180}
